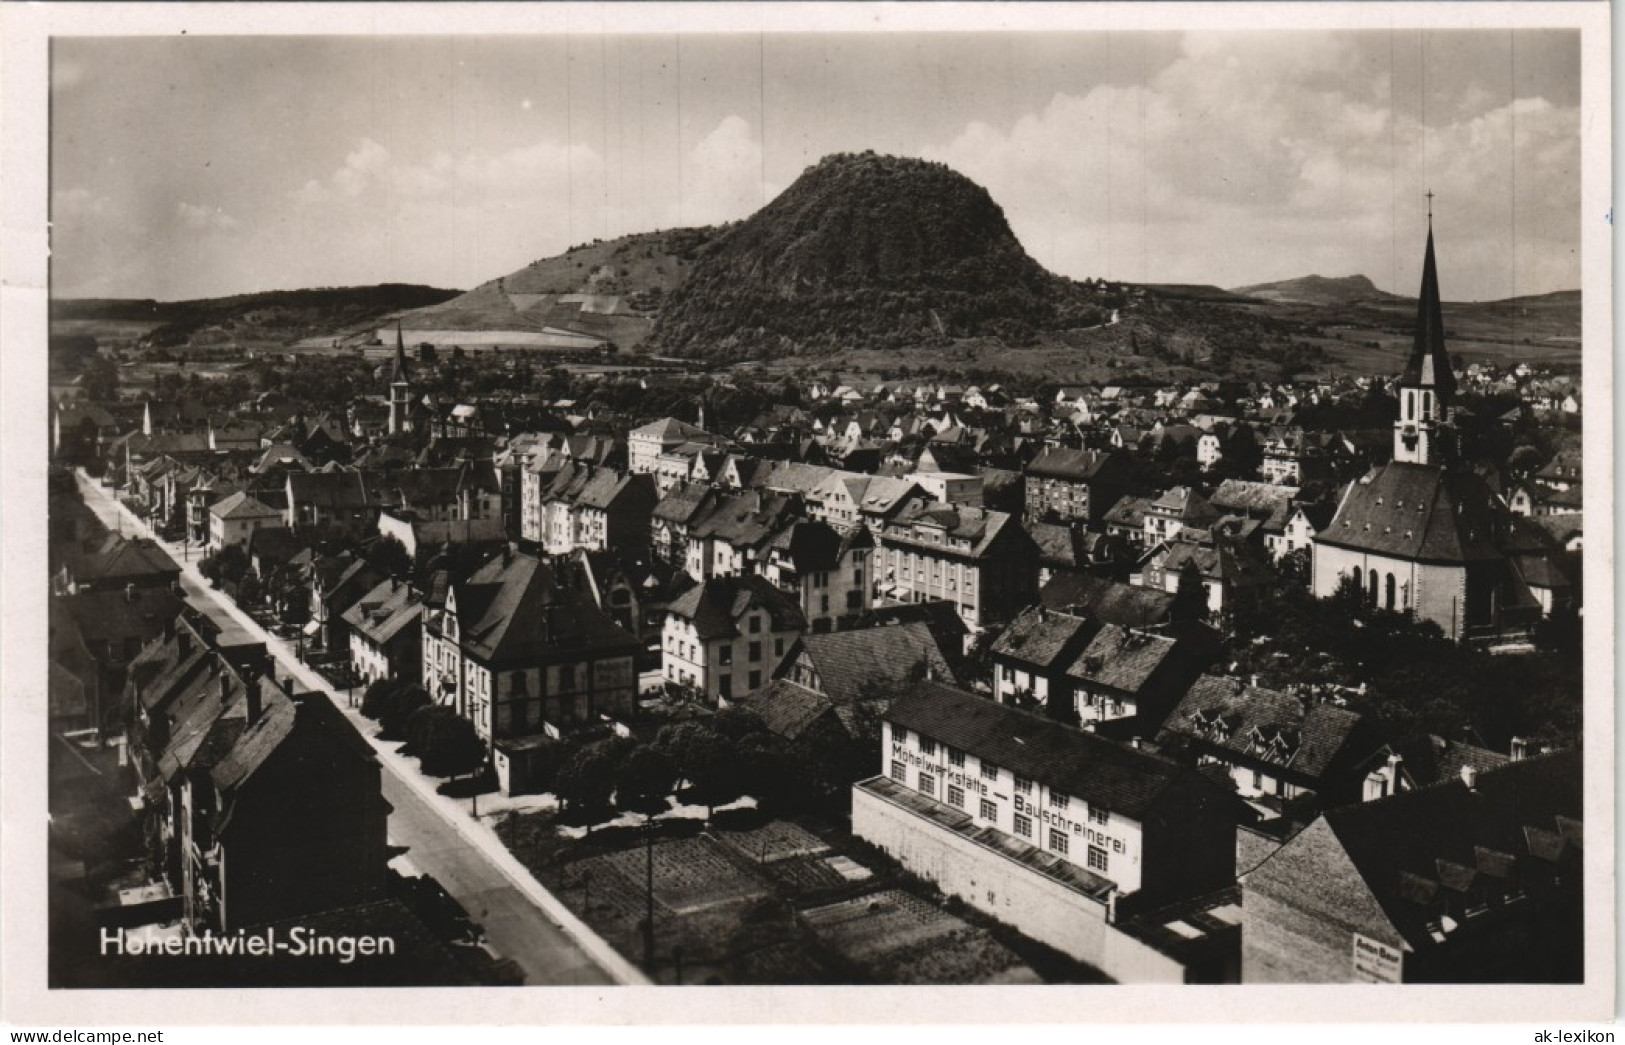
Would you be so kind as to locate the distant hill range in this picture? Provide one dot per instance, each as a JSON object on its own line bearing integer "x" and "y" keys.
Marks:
{"x": 277, "y": 316}
{"x": 865, "y": 261}
{"x": 1317, "y": 290}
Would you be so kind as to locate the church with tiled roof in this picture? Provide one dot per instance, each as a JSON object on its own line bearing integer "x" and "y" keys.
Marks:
{"x": 1424, "y": 534}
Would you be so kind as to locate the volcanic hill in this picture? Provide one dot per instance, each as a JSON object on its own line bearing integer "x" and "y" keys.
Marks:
{"x": 868, "y": 251}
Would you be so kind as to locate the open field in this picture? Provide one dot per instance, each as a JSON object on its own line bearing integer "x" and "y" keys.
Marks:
{"x": 759, "y": 901}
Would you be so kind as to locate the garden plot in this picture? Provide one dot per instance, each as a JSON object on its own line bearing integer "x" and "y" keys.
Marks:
{"x": 690, "y": 874}
{"x": 898, "y": 938}
{"x": 774, "y": 841}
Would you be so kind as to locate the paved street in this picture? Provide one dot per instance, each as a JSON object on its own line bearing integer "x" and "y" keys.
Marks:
{"x": 479, "y": 873}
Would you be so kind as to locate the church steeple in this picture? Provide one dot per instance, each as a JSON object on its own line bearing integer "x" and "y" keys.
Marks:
{"x": 1427, "y": 389}
{"x": 400, "y": 386}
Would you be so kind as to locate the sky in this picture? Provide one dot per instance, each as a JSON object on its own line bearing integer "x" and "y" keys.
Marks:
{"x": 186, "y": 167}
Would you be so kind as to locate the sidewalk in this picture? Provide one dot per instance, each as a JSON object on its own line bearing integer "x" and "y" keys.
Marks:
{"x": 454, "y": 813}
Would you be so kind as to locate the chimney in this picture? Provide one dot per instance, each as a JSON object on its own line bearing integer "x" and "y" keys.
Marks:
{"x": 1252, "y": 680}
{"x": 1520, "y": 749}
{"x": 251, "y": 687}
{"x": 1134, "y": 742}
{"x": 1043, "y": 612}
{"x": 1469, "y": 776}
{"x": 183, "y": 642}
{"x": 129, "y": 592}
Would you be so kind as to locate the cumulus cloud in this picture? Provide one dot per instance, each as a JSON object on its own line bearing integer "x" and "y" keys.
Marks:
{"x": 462, "y": 217}
{"x": 722, "y": 174}
{"x": 1244, "y": 160}
{"x": 204, "y": 218}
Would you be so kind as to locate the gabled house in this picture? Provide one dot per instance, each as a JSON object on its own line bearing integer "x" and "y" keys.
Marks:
{"x": 828, "y": 572}
{"x": 1477, "y": 880}
{"x": 1031, "y": 657}
{"x": 386, "y": 633}
{"x": 724, "y": 636}
{"x": 982, "y": 561}
{"x": 1066, "y": 484}
{"x": 1275, "y": 746}
{"x": 523, "y": 656}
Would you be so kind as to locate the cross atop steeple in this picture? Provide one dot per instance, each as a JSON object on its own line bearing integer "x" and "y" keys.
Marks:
{"x": 1429, "y": 195}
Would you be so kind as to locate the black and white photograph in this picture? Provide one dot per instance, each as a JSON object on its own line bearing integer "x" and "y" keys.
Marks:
{"x": 1069, "y": 497}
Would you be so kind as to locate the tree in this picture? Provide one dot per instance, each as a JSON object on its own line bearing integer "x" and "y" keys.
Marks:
{"x": 408, "y": 699}
{"x": 226, "y": 565}
{"x": 643, "y": 779}
{"x": 390, "y": 703}
{"x": 390, "y": 555}
{"x": 1294, "y": 567}
{"x": 705, "y": 758}
{"x": 587, "y": 778}
{"x": 445, "y": 742}
{"x": 1190, "y": 599}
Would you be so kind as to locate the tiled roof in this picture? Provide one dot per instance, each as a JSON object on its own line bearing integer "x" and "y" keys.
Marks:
{"x": 716, "y": 605}
{"x": 1529, "y": 811}
{"x": 1121, "y": 658}
{"x": 851, "y": 665}
{"x": 121, "y": 559}
{"x": 1112, "y": 602}
{"x": 384, "y": 611}
{"x": 514, "y": 612}
{"x": 683, "y": 502}
{"x": 668, "y": 429}
{"x": 787, "y": 708}
{"x": 1076, "y": 465}
{"x": 1309, "y": 738}
{"x": 242, "y": 505}
{"x": 1224, "y": 561}
{"x": 1417, "y": 511}
{"x": 1266, "y": 501}
{"x": 1123, "y": 780}
{"x": 1130, "y": 512}
{"x": 1041, "y": 638}
{"x": 979, "y": 526}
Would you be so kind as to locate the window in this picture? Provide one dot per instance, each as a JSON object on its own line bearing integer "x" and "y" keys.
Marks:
{"x": 898, "y": 773}
{"x": 755, "y": 624}
{"x": 1097, "y": 858}
{"x": 854, "y": 600}
{"x": 990, "y": 771}
{"x": 755, "y": 679}
{"x": 989, "y": 811}
{"x": 899, "y": 735}
{"x": 928, "y": 784}
{"x": 1058, "y": 840}
{"x": 956, "y": 796}
{"x": 956, "y": 757}
{"x": 1098, "y": 815}
{"x": 1023, "y": 786}
{"x": 725, "y": 655}
{"x": 778, "y": 647}
{"x": 857, "y": 576}
{"x": 1024, "y": 825}
{"x": 755, "y": 651}
{"x": 725, "y": 686}
{"x": 1059, "y": 799}
{"x": 927, "y": 746}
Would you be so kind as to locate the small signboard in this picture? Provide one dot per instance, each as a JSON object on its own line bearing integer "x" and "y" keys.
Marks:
{"x": 1376, "y": 962}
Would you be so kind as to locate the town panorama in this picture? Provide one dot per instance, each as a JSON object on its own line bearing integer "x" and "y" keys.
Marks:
{"x": 831, "y": 596}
